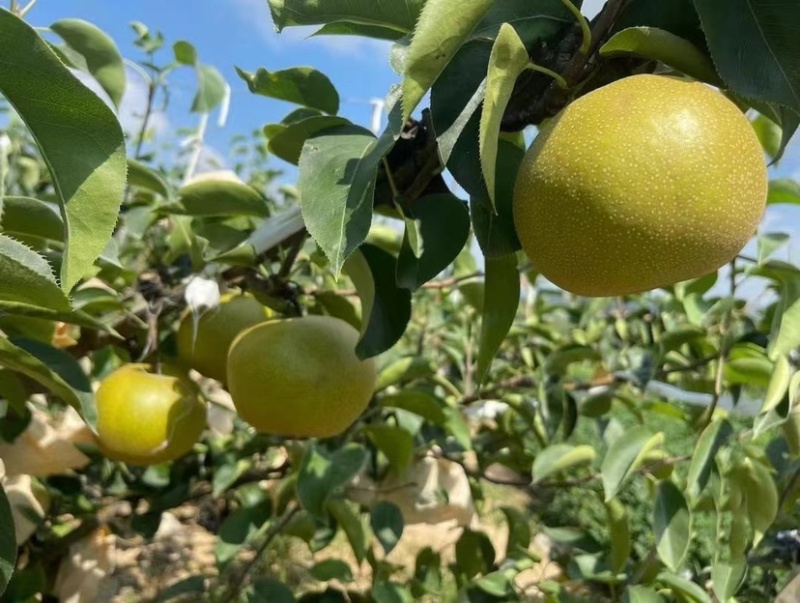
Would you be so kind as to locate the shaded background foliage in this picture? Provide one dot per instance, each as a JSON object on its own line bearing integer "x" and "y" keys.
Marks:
{"x": 654, "y": 438}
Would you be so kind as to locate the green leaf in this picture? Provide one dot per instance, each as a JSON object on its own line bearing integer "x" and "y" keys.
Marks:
{"x": 347, "y": 516}
{"x": 185, "y": 53}
{"x": 211, "y": 89}
{"x": 142, "y": 176}
{"x": 519, "y": 531}
{"x": 385, "y": 308}
{"x": 784, "y": 191}
{"x": 705, "y": 452}
{"x": 78, "y": 135}
{"x": 474, "y": 553}
{"x": 726, "y": 576}
{"x": 495, "y": 231}
{"x": 561, "y": 358}
{"x": 27, "y": 278}
{"x": 240, "y": 527}
{"x": 455, "y": 98}
{"x": 193, "y": 585}
{"x": 272, "y": 232}
{"x": 8, "y": 542}
{"x": 769, "y": 243}
{"x": 407, "y": 368}
{"x": 443, "y": 26}
{"x": 444, "y": 225}
{"x": 778, "y": 384}
{"x": 457, "y": 427}
{"x": 427, "y": 571}
{"x": 101, "y": 54}
{"x": 560, "y": 457}
{"x": 300, "y": 85}
{"x": 659, "y": 45}
{"x": 226, "y": 475}
{"x": 500, "y": 308}
{"x": 785, "y": 333}
{"x": 387, "y": 523}
{"x": 391, "y": 592}
{"x": 288, "y": 142}
{"x": 641, "y": 594}
{"x": 332, "y": 569}
{"x": 769, "y": 134}
{"x": 689, "y": 590}
{"x": 338, "y": 168}
{"x": 268, "y": 589}
{"x": 534, "y": 20}
{"x": 62, "y": 378}
{"x": 678, "y": 17}
{"x": 218, "y": 197}
{"x": 672, "y": 524}
{"x": 418, "y": 401}
{"x": 768, "y": 70}
{"x": 340, "y": 307}
{"x": 400, "y": 16}
{"x": 508, "y": 60}
{"x": 625, "y": 455}
{"x": 321, "y": 473}
{"x": 619, "y": 532}
{"x": 496, "y": 584}
{"x": 395, "y": 443}
{"x": 342, "y": 28}
{"x": 790, "y": 121}
{"x": 761, "y": 499}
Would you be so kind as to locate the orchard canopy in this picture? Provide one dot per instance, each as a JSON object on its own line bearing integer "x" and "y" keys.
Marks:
{"x": 532, "y": 334}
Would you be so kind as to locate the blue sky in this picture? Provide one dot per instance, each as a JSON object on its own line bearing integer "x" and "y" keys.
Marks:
{"x": 240, "y": 33}
{"x": 235, "y": 33}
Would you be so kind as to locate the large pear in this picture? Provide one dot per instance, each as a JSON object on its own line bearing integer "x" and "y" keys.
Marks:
{"x": 642, "y": 183}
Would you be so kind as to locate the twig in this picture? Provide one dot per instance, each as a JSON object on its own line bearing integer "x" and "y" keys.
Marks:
{"x": 291, "y": 256}
{"x": 690, "y": 367}
{"x": 586, "y": 30}
{"x": 24, "y": 10}
{"x": 562, "y": 83}
{"x": 273, "y": 531}
{"x": 789, "y": 487}
{"x": 723, "y": 351}
{"x": 148, "y": 111}
{"x": 434, "y": 285}
{"x": 536, "y": 103}
{"x": 521, "y": 382}
{"x": 197, "y": 151}
{"x": 469, "y": 368}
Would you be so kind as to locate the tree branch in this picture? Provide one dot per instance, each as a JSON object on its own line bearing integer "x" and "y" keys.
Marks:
{"x": 274, "y": 530}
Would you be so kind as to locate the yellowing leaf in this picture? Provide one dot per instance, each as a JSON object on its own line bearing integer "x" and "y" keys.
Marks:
{"x": 509, "y": 58}
{"x": 443, "y": 26}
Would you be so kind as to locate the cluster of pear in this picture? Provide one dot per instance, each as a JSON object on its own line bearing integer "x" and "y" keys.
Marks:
{"x": 295, "y": 377}
{"x": 640, "y": 184}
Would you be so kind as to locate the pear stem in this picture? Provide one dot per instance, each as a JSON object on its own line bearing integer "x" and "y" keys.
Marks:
{"x": 562, "y": 83}
{"x": 584, "y": 23}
